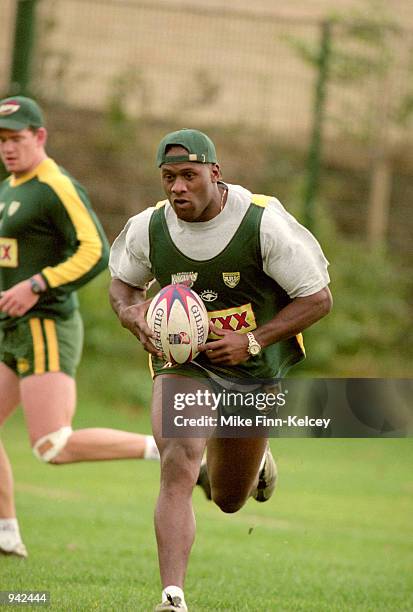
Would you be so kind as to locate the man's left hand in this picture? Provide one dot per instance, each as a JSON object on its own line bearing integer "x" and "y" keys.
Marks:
{"x": 17, "y": 300}
{"x": 230, "y": 349}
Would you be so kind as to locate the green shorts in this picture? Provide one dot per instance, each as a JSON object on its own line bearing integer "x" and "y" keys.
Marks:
{"x": 36, "y": 346}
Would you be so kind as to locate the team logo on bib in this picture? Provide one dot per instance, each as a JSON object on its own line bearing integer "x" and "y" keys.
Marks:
{"x": 208, "y": 295}
{"x": 13, "y": 208}
{"x": 231, "y": 279}
{"x": 184, "y": 278}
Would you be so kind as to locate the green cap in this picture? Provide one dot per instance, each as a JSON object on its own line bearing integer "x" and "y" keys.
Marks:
{"x": 18, "y": 113}
{"x": 200, "y": 148}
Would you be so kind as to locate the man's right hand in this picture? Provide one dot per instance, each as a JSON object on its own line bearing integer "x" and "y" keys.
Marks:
{"x": 18, "y": 300}
{"x": 130, "y": 305}
{"x": 133, "y": 318}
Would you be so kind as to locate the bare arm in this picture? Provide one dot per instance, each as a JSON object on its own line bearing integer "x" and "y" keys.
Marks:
{"x": 302, "y": 312}
{"x": 130, "y": 305}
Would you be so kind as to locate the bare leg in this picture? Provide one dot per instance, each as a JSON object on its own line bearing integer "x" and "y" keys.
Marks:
{"x": 7, "y": 505}
{"x": 174, "y": 516}
{"x": 233, "y": 466}
{"x": 49, "y": 402}
{"x": 9, "y": 399}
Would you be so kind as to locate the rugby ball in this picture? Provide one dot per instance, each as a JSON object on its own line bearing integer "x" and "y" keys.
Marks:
{"x": 178, "y": 318}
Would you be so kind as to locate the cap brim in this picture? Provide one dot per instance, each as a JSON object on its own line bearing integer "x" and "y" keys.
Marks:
{"x": 9, "y": 124}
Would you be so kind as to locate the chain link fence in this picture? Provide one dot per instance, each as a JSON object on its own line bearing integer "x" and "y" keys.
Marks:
{"x": 202, "y": 66}
{"x": 161, "y": 61}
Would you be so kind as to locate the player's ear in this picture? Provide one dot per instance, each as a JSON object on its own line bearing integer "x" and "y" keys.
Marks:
{"x": 215, "y": 173}
{"x": 41, "y": 134}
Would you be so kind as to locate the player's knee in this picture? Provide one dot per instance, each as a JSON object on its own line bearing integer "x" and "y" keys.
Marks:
{"x": 227, "y": 503}
{"x": 180, "y": 465}
{"x": 48, "y": 447}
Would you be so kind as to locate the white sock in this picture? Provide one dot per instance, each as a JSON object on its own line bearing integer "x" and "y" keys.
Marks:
{"x": 10, "y": 527}
{"x": 262, "y": 461}
{"x": 173, "y": 591}
{"x": 151, "y": 450}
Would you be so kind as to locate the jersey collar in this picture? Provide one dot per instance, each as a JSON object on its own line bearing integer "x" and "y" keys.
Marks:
{"x": 46, "y": 163}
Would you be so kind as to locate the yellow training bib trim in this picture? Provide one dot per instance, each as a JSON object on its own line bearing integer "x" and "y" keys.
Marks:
{"x": 300, "y": 340}
{"x": 260, "y": 200}
{"x": 161, "y": 203}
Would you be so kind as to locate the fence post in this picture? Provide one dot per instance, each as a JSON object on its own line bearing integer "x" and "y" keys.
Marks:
{"x": 22, "y": 46}
{"x": 314, "y": 151}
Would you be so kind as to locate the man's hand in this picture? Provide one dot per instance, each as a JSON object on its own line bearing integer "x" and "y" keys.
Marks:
{"x": 131, "y": 305}
{"x": 231, "y": 348}
{"x": 134, "y": 319}
{"x": 17, "y": 300}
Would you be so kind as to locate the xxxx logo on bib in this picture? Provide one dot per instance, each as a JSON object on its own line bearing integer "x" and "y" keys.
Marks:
{"x": 238, "y": 318}
{"x": 8, "y": 253}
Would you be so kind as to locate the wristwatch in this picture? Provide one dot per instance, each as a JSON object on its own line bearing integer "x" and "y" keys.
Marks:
{"x": 254, "y": 347}
{"x": 35, "y": 286}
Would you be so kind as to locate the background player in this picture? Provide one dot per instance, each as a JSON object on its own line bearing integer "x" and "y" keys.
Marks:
{"x": 51, "y": 243}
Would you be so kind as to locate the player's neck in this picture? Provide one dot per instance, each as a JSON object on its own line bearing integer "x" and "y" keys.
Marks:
{"x": 37, "y": 160}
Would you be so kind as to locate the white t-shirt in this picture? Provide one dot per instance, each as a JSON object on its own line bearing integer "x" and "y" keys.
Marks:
{"x": 291, "y": 255}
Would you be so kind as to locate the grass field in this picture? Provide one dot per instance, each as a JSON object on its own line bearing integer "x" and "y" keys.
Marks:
{"x": 336, "y": 536}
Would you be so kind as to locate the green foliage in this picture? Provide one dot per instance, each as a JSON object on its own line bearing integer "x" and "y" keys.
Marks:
{"x": 369, "y": 331}
{"x": 366, "y": 53}
{"x": 126, "y": 87}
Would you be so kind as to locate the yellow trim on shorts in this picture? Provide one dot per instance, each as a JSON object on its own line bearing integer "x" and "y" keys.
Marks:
{"x": 38, "y": 346}
{"x": 52, "y": 345}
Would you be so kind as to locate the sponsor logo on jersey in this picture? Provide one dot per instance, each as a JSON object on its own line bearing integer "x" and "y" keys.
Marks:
{"x": 9, "y": 108}
{"x": 208, "y": 295}
{"x": 231, "y": 279}
{"x": 13, "y": 208}
{"x": 184, "y": 278}
{"x": 8, "y": 253}
{"x": 238, "y": 318}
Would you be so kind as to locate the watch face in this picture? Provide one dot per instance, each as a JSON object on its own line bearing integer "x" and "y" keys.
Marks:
{"x": 35, "y": 286}
{"x": 254, "y": 349}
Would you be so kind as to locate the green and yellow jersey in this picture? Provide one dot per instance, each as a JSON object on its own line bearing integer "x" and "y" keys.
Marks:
{"x": 47, "y": 226}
